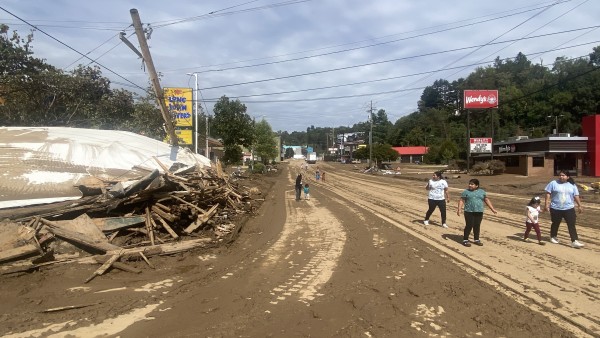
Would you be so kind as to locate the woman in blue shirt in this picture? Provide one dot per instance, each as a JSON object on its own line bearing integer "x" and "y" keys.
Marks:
{"x": 561, "y": 196}
{"x": 472, "y": 199}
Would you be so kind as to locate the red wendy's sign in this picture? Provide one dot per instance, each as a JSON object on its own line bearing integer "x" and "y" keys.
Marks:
{"x": 481, "y": 99}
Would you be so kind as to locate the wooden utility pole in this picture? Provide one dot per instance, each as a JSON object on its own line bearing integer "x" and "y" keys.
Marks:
{"x": 160, "y": 97}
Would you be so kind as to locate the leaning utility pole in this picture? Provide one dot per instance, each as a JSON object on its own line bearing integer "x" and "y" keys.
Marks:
{"x": 160, "y": 97}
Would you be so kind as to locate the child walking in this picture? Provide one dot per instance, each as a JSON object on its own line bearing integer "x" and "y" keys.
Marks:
{"x": 533, "y": 212}
{"x": 472, "y": 199}
{"x": 306, "y": 192}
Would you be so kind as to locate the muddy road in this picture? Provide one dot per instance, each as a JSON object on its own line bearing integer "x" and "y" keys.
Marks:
{"x": 353, "y": 261}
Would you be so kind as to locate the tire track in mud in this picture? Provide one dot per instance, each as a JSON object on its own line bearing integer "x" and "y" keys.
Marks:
{"x": 307, "y": 226}
{"x": 304, "y": 256}
{"x": 550, "y": 279}
{"x": 501, "y": 202}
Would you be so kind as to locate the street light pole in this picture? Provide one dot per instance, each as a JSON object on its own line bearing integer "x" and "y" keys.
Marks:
{"x": 195, "y": 98}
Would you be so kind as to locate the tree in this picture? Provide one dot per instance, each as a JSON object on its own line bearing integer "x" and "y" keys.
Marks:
{"x": 264, "y": 145}
{"x": 289, "y": 152}
{"x": 146, "y": 119}
{"x": 234, "y": 126}
{"x": 381, "y": 153}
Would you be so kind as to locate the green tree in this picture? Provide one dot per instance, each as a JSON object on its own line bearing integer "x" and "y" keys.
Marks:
{"x": 381, "y": 153}
{"x": 264, "y": 145}
{"x": 234, "y": 126}
{"x": 289, "y": 152}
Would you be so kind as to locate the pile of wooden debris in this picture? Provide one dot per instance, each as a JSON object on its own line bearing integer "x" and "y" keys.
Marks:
{"x": 119, "y": 221}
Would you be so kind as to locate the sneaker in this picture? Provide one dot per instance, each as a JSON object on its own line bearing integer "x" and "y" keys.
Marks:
{"x": 554, "y": 240}
{"x": 445, "y": 225}
{"x": 577, "y": 244}
{"x": 478, "y": 242}
{"x": 526, "y": 240}
{"x": 426, "y": 222}
{"x": 466, "y": 243}
{"x": 541, "y": 243}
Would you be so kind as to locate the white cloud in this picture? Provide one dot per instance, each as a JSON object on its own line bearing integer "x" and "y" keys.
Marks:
{"x": 309, "y": 28}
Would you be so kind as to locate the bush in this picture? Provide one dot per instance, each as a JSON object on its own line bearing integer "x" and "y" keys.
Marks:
{"x": 492, "y": 167}
{"x": 258, "y": 168}
{"x": 496, "y": 167}
{"x": 457, "y": 165}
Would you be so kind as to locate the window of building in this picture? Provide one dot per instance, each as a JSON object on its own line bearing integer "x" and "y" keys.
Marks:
{"x": 538, "y": 161}
{"x": 511, "y": 161}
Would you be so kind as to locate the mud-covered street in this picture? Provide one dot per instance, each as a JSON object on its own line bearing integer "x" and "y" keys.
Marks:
{"x": 353, "y": 261}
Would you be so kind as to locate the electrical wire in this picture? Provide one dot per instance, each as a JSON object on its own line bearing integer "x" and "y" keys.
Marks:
{"x": 480, "y": 63}
{"x": 81, "y": 57}
{"x": 71, "y": 48}
{"x": 348, "y": 49}
{"x": 395, "y": 60}
{"x": 209, "y": 15}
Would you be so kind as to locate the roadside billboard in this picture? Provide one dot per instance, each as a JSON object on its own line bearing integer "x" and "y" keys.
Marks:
{"x": 480, "y": 99}
{"x": 480, "y": 145}
{"x": 179, "y": 102}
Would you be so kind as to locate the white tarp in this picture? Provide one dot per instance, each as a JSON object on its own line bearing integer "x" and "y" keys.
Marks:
{"x": 41, "y": 163}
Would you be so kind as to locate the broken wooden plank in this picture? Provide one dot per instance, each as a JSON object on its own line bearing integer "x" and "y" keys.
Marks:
{"x": 110, "y": 224}
{"x": 85, "y": 226}
{"x": 169, "y": 217}
{"x": 149, "y": 225}
{"x": 14, "y": 253}
{"x": 167, "y": 227}
{"x": 146, "y": 259}
{"x": 190, "y": 204}
{"x": 166, "y": 170}
{"x": 201, "y": 219}
{"x": 59, "y": 231}
{"x": 70, "y": 307}
{"x": 162, "y": 206}
{"x": 117, "y": 265}
{"x": 102, "y": 269}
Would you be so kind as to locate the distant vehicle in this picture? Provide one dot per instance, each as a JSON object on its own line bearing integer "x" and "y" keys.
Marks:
{"x": 356, "y": 161}
{"x": 312, "y": 158}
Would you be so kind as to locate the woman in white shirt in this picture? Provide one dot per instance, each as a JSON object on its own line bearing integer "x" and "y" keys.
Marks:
{"x": 438, "y": 197}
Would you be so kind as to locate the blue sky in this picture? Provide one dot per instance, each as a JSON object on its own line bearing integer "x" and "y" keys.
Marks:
{"x": 299, "y": 63}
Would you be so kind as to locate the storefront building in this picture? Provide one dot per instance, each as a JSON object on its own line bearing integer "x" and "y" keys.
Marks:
{"x": 548, "y": 155}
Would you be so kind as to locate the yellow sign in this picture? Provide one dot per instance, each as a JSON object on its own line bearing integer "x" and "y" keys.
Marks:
{"x": 185, "y": 136}
{"x": 179, "y": 102}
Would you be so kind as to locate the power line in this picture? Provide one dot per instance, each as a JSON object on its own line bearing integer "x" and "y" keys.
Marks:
{"x": 351, "y": 49}
{"x": 393, "y": 60}
{"x": 215, "y": 14}
{"x": 480, "y": 63}
{"x": 71, "y": 48}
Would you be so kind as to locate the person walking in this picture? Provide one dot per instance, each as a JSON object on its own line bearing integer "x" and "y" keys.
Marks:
{"x": 306, "y": 192}
{"x": 317, "y": 174}
{"x": 561, "y": 196}
{"x": 323, "y": 177}
{"x": 438, "y": 197}
{"x": 532, "y": 220}
{"x": 298, "y": 186}
{"x": 473, "y": 199}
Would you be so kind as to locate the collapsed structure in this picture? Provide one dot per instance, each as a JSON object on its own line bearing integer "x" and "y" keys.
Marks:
{"x": 115, "y": 196}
